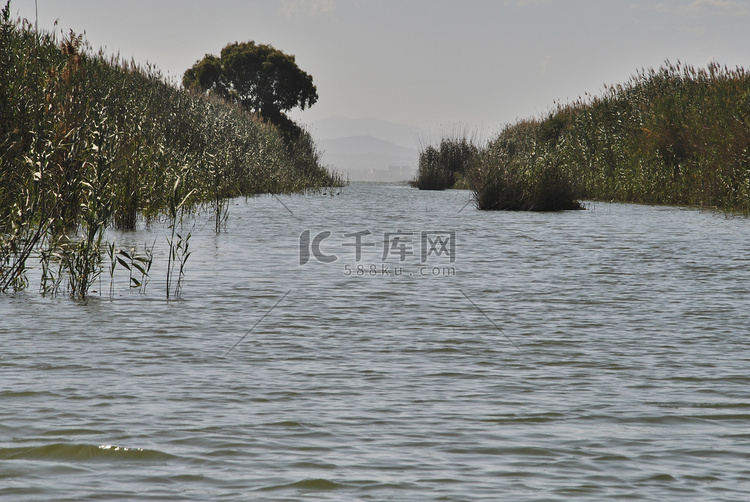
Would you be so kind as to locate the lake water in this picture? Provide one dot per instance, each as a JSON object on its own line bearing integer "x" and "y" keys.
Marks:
{"x": 588, "y": 355}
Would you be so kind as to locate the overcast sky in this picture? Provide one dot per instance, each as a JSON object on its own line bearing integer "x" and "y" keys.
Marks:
{"x": 432, "y": 64}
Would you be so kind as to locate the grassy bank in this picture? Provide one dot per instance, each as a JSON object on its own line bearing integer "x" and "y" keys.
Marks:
{"x": 677, "y": 135}
{"x": 88, "y": 141}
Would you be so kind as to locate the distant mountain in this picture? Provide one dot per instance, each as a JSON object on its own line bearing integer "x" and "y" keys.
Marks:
{"x": 369, "y": 148}
{"x": 405, "y": 135}
{"x": 369, "y": 158}
{"x": 368, "y": 145}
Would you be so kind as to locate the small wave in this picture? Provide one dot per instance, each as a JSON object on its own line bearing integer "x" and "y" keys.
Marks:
{"x": 26, "y": 393}
{"x": 288, "y": 424}
{"x": 314, "y": 465}
{"x": 318, "y": 484}
{"x": 680, "y": 404}
{"x": 71, "y": 432}
{"x": 73, "y": 452}
{"x": 659, "y": 477}
{"x": 520, "y": 420}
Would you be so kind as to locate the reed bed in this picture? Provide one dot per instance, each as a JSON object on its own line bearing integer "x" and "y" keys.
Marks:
{"x": 507, "y": 173}
{"x": 89, "y": 141}
{"x": 445, "y": 166}
{"x": 515, "y": 172}
{"x": 677, "y": 135}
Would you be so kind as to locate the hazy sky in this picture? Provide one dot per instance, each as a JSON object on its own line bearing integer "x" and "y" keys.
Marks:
{"x": 433, "y": 64}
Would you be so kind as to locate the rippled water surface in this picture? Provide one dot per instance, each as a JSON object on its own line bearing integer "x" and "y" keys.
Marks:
{"x": 588, "y": 355}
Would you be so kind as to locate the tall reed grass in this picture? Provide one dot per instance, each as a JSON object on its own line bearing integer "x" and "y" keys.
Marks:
{"x": 444, "y": 166}
{"x": 508, "y": 173}
{"x": 515, "y": 172}
{"x": 89, "y": 141}
{"x": 677, "y": 135}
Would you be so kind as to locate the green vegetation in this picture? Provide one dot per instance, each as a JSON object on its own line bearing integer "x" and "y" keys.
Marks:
{"x": 508, "y": 173}
{"x": 445, "y": 166}
{"x": 260, "y": 78}
{"x": 514, "y": 172}
{"x": 88, "y": 142}
{"x": 676, "y": 135}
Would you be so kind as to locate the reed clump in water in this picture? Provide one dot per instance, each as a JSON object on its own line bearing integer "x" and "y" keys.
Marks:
{"x": 677, "y": 135}
{"x": 516, "y": 173}
{"x": 444, "y": 166}
{"x": 509, "y": 173}
{"x": 89, "y": 141}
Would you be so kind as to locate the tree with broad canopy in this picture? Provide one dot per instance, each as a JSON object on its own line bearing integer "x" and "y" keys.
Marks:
{"x": 259, "y": 77}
